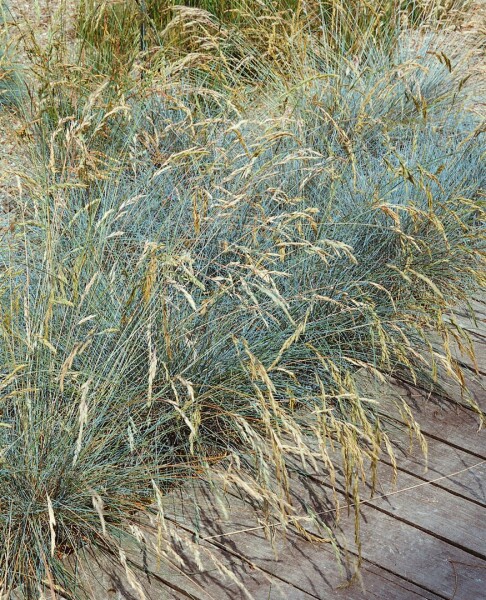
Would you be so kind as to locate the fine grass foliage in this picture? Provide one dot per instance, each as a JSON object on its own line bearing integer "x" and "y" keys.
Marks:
{"x": 114, "y": 31}
{"x": 10, "y": 73}
{"x": 195, "y": 278}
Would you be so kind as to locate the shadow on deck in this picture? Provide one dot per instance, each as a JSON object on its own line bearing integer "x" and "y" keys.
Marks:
{"x": 424, "y": 537}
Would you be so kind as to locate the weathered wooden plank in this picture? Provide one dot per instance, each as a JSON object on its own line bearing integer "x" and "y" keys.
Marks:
{"x": 393, "y": 545}
{"x": 478, "y": 305}
{"x": 413, "y": 554}
{"x": 304, "y": 565}
{"x": 444, "y": 462}
{"x": 472, "y": 325}
{"x": 304, "y": 570}
{"x": 475, "y": 386}
{"x": 422, "y": 558}
{"x": 475, "y": 326}
{"x": 159, "y": 581}
{"x": 381, "y": 583}
{"x": 450, "y": 423}
{"x": 450, "y": 518}
{"x": 393, "y": 539}
{"x": 419, "y": 504}
{"x": 314, "y": 567}
{"x": 254, "y": 582}
{"x": 479, "y": 347}
{"x": 460, "y": 534}
{"x": 106, "y": 579}
{"x": 473, "y": 367}
{"x": 422, "y": 505}
{"x": 439, "y": 418}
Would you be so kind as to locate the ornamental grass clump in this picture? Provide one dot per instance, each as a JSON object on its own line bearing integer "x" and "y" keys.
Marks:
{"x": 117, "y": 36}
{"x": 191, "y": 288}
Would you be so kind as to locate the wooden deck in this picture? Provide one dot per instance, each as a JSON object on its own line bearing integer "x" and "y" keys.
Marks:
{"x": 424, "y": 537}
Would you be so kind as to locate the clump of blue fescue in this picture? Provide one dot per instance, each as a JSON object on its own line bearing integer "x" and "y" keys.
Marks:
{"x": 210, "y": 303}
